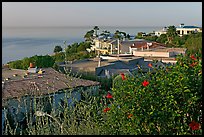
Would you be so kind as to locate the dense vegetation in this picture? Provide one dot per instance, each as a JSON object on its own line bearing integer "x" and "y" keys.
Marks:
{"x": 163, "y": 103}
{"x": 167, "y": 102}
{"x": 77, "y": 51}
{"x": 39, "y": 61}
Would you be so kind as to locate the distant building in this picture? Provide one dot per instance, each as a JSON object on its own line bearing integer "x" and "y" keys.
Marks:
{"x": 185, "y": 30}
{"x": 159, "y": 32}
{"x": 110, "y": 65}
{"x": 113, "y": 46}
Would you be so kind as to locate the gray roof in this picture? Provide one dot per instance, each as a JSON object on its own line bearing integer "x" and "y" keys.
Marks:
{"x": 189, "y": 27}
{"x": 52, "y": 81}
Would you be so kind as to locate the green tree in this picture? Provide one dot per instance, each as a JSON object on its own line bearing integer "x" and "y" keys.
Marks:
{"x": 105, "y": 33}
{"x": 139, "y": 35}
{"x": 57, "y": 49}
{"x": 128, "y": 36}
{"x": 16, "y": 64}
{"x": 151, "y": 38}
{"x": 194, "y": 42}
{"x": 25, "y": 63}
{"x": 81, "y": 47}
{"x": 40, "y": 61}
{"x": 117, "y": 35}
{"x": 162, "y": 38}
{"x": 89, "y": 35}
{"x": 59, "y": 57}
{"x": 171, "y": 33}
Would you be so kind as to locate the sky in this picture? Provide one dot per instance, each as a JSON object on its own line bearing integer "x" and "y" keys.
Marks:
{"x": 26, "y": 14}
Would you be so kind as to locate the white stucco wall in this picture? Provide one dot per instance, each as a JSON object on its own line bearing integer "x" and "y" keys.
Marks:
{"x": 151, "y": 54}
{"x": 185, "y": 30}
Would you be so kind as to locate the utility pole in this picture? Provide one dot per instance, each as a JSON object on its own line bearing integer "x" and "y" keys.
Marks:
{"x": 118, "y": 48}
{"x": 65, "y": 55}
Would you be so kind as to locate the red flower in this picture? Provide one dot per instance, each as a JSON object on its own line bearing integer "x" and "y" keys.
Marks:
{"x": 106, "y": 109}
{"x": 150, "y": 65}
{"x": 193, "y": 64}
{"x": 194, "y": 125}
{"x": 145, "y": 83}
{"x": 130, "y": 115}
{"x": 109, "y": 95}
{"x": 193, "y": 57}
{"x": 123, "y": 76}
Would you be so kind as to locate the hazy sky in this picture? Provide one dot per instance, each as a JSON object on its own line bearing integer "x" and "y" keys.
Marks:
{"x": 101, "y": 13}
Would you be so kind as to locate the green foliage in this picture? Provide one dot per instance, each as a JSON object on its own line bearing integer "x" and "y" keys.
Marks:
{"x": 162, "y": 38}
{"x": 78, "y": 51}
{"x": 171, "y": 31}
{"x": 139, "y": 35}
{"x": 57, "y": 49}
{"x": 59, "y": 57}
{"x": 83, "y": 46}
{"x": 194, "y": 42}
{"x": 117, "y": 35}
{"x": 39, "y": 61}
{"x": 89, "y": 35}
{"x": 151, "y": 38}
{"x": 164, "y": 107}
{"x": 16, "y": 64}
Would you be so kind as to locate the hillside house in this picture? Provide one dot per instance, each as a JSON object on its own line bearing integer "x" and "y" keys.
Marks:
{"x": 159, "y": 32}
{"x": 185, "y": 30}
{"x": 50, "y": 90}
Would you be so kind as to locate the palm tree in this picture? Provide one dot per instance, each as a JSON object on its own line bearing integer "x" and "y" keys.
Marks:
{"x": 171, "y": 33}
{"x": 96, "y": 28}
{"x": 105, "y": 33}
{"x": 120, "y": 34}
{"x": 89, "y": 35}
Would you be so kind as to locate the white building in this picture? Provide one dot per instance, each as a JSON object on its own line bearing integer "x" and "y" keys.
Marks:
{"x": 185, "y": 30}
{"x": 163, "y": 31}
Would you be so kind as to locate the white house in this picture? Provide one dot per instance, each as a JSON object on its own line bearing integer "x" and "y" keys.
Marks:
{"x": 185, "y": 30}
{"x": 159, "y": 32}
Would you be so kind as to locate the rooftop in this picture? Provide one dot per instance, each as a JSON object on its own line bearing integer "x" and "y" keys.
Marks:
{"x": 189, "y": 27}
{"x": 50, "y": 82}
{"x": 170, "y": 50}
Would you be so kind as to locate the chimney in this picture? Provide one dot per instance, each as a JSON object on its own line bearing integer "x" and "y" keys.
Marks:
{"x": 118, "y": 47}
{"x": 32, "y": 65}
{"x": 147, "y": 46}
{"x": 182, "y": 25}
{"x": 99, "y": 62}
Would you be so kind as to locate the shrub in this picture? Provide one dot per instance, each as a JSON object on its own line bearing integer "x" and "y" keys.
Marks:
{"x": 166, "y": 102}
{"x": 161, "y": 103}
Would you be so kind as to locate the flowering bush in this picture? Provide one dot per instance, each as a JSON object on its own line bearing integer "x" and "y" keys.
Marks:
{"x": 161, "y": 102}
{"x": 167, "y": 102}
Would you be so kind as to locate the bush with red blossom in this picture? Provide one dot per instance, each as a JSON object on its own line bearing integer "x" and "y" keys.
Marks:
{"x": 167, "y": 102}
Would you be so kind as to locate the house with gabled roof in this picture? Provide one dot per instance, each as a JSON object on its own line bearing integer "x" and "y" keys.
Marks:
{"x": 47, "y": 90}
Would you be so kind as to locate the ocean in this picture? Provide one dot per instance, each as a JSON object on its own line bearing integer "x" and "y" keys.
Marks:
{"x": 20, "y": 42}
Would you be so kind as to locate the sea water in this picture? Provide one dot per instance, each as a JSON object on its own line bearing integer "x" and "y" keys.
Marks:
{"x": 20, "y": 42}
